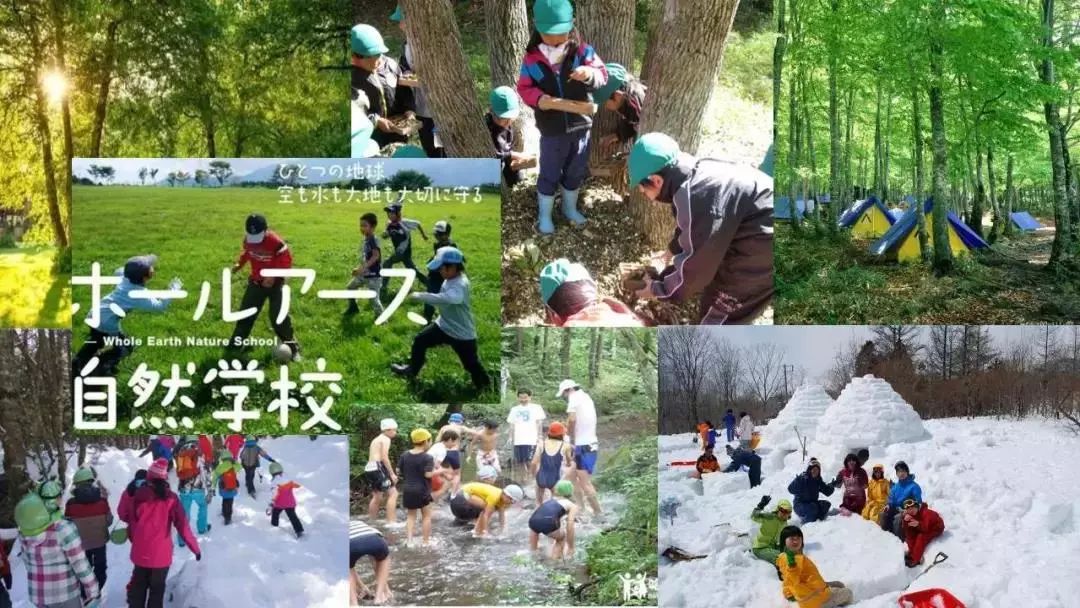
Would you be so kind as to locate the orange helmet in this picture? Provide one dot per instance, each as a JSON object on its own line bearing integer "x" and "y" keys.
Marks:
{"x": 556, "y": 429}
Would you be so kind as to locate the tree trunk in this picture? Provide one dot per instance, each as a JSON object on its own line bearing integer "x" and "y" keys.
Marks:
{"x": 1010, "y": 195}
{"x": 544, "y": 348}
{"x": 608, "y": 25}
{"x": 778, "y": 66}
{"x": 434, "y": 38}
{"x": 849, "y": 178}
{"x": 41, "y": 118}
{"x": 978, "y": 208}
{"x": 877, "y": 143}
{"x": 592, "y": 356}
{"x": 108, "y": 59}
{"x": 943, "y": 260}
{"x": 794, "y": 159}
{"x": 995, "y": 228}
{"x": 564, "y": 352}
{"x": 507, "y": 34}
{"x": 688, "y": 51}
{"x": 1060, "y": 251}
{"x": 886, "y": 148}
{"x": 920, "y": 191}
{"x": 835, "y": 196}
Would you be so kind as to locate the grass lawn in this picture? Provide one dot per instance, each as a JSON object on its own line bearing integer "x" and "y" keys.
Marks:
{"x": 198, "y": 231}
{"x": 827, "y": 280}
{"x": 31, "y": 295}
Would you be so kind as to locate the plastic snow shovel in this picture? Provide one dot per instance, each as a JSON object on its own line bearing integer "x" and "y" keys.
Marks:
{"x": 676, "y": 554}
{"x": 929, "y": 598}
{"x": 940, "y": 557}
{"x": 682, "y": 463}
{"x": 118, "y": 536}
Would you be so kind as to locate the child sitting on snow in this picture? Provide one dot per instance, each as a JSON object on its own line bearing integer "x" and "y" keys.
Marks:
{"x": 800, "y": 580}
{"x": 706, "y": 463}
{"x": 805, "y": 488}
{"x": 921, "y": 525}
{"x": 853, "y": 479}
{"x": 767, "y": 545}
{"x": 904, "y": 488}
{"x": 877, "y": 492}
{"x": 283, "y": 499}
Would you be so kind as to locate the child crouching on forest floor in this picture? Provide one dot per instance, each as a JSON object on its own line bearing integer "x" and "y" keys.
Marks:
{"x": 548, "y": 520}
{"x": 416, "y": 468}
{"x": 283, "y": 499}
{"x": 801, "y": 582}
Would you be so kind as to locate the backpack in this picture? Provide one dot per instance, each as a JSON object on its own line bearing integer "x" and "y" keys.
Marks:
{"x": 249, "y": 456}
{"x": 228, "y": 480}
{"x": 187, "y": 462}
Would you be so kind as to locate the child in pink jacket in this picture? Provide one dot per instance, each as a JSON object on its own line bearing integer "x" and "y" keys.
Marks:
{"x": 283, "y": 499}
{"x": 152, "y": 512}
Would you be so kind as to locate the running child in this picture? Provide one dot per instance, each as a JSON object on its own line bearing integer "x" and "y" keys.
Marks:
{"x": 487, "y": 448}
{"x": 800, "y": 580}
{"x": 57, "y": 572}
{"x": 399, "y": 231}
{"x": 548, "y": 520}
{"x": 552, "y": 461}
{"x": 194, "y": 486}
{"x": 88, "y": 508}
{"x": 379, "y": 472}
{"x": 559, "y": 64}
{"x": 264, "y": 250}
{"x": 479, "y": 500}
{"x": 107, "y": 341}
{"x": 283, "y": 499}
{"x": 417, "y": 468}
{"x": 366, "y": 274}
{"x": 365, "y": 541}
{"x": 455, "y": 325}
{"x": 227, "y": 482}
{"x": 434, "y": 279}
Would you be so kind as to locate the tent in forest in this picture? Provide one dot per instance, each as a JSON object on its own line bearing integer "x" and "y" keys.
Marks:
{"x": 869, "y": 218}
{"x": 1024, "y": 221}
{"x": 782, "y": 208}
{"x": 896, "y": 213}
{"x": 902, "y": 240}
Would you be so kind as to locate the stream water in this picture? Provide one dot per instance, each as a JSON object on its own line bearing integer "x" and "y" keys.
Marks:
{"x": 458, "y": 569}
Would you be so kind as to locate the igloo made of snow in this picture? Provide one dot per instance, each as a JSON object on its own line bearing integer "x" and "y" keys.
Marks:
{"x": 803, "y": 411}
{"x": 869, "y": 412}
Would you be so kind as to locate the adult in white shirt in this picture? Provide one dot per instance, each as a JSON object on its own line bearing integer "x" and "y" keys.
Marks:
{"x": 746, "y": 429}
{"x": 525, "y": 420}
{"x": 582, "y": 427}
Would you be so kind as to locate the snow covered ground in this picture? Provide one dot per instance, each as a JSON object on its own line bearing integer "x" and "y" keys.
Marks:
{"x": 249, "y": 563}
{"x": 1006, "y": 489}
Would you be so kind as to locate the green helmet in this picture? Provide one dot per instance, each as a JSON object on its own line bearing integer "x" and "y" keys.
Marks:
{"x": 225, "y": 455}
{"x": 564, "y": 488}
{"x": 276, "y": 468}
{"x": 616, "y": 78}
{"x": 83, "y": 474}
{"x": 558, "y": 272}
{"x": 553, "y": 16}
{"x": 366, "y": 41}
{"x": 651, "y": 153}
{"x": 32, "y": 515}
{"x": 250, "y": 438}
{"x": 784, "y": 505}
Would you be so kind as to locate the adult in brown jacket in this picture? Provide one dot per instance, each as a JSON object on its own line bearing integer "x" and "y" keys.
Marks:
{"x": 88, "y": 509}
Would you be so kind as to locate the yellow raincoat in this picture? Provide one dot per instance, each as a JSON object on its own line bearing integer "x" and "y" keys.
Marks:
{"x": 803, "y": 581}
{"x": 877, "y": 494}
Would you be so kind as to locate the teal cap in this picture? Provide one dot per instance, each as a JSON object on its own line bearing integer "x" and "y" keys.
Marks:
{"x": 553, "y": 16}
{"x": 366, "y": 41}
{"x": 398, "y": 16}
{"x": 409, "y": 151}
{"x": 616, "y": 78}
{"x": 558, "y": 272}
{"x": 504, "y": 102}
{"x": 651, "y": 153}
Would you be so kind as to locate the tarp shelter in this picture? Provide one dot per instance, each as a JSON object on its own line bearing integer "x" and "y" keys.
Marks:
{"x": 782, "y": 208}
{"x": 902, "y": 240}
{"x": 1024, "y": 221}
{"x": 870, "y": 218}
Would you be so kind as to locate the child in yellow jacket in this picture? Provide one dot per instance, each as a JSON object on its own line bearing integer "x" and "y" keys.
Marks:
{"x": 801, "y": 581}
{"x": 877, "y": 494}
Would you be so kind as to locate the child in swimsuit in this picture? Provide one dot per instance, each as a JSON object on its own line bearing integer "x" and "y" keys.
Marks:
{"x": 548, "y": 520}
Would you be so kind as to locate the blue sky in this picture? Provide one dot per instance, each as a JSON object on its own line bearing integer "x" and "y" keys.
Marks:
{"x": 443, "y": 172}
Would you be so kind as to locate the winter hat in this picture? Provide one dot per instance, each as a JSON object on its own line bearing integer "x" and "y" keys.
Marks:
{"x": 513, "y": 492}
{"x": 158, "y": 470}
{"x": 419, "y": 435}
{"x": 388, "y": 424}
{"x": 556, "y": 430}
{"x": 901, "y": 465}
{"x": 564, "y": 488}
{"x": 909, "y": 502}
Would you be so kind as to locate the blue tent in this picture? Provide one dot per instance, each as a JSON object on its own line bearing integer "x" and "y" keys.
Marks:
{"x": 782, "y": 208}
{"x": 1024, "y": 221}
{"x": 907, "y": 223}
{"x": 896, "y": 213}
{"x": 852, "y": 215}
{"x": 910, "y": 200}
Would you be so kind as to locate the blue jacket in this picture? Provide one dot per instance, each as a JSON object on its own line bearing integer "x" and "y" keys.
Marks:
{"x": 806, "y": 488}
{"x": 121, "y": 296}
{"x": 729, "y": 421}
{"x": 904, "y": 489}
{"x": 742, "y": 457}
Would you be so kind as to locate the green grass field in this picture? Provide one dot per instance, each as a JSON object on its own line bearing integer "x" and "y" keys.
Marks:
{"x": 198, "y": 231}
{"x": 31, "y": 295}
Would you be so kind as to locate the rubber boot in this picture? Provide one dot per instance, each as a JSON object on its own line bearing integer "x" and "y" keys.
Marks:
{"x": 547, "y": 204}
{"x": 569, "y": 207}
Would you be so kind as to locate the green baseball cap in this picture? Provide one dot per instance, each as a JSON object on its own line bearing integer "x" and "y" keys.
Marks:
{"x": 366, "y": 41}
{"x": 505, "y": 103}
{"x": 409, "y": 151}
{"x": 558, "y": 272}
{"x": 616, "y": 77}
{"x": 651, "y": 153}
{"x": 553, "y": 16}
{"x": 398, "y": 16}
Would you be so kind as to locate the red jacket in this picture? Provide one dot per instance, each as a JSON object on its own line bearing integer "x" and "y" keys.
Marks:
{"x": 207, "y": 448}
{"x": 5, "y": 565}
{"x": 152, "y": 520}
{"x": 272, "y": 252}
{"x": 930, "y": 526}
{"x": 234, "y": 443}
{"x": 90, "y": 513}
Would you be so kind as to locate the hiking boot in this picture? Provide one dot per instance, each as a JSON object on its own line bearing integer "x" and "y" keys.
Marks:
{"x": 402, "y": 369}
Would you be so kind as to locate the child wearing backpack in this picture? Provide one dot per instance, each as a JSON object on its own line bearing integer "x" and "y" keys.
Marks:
{"x": 283, "y": 499}
{"x": 194, "y": 486}
{"x": 249, "y": 458}
{"x": 89, "y": 510}
{"x": 227, "y": 482}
